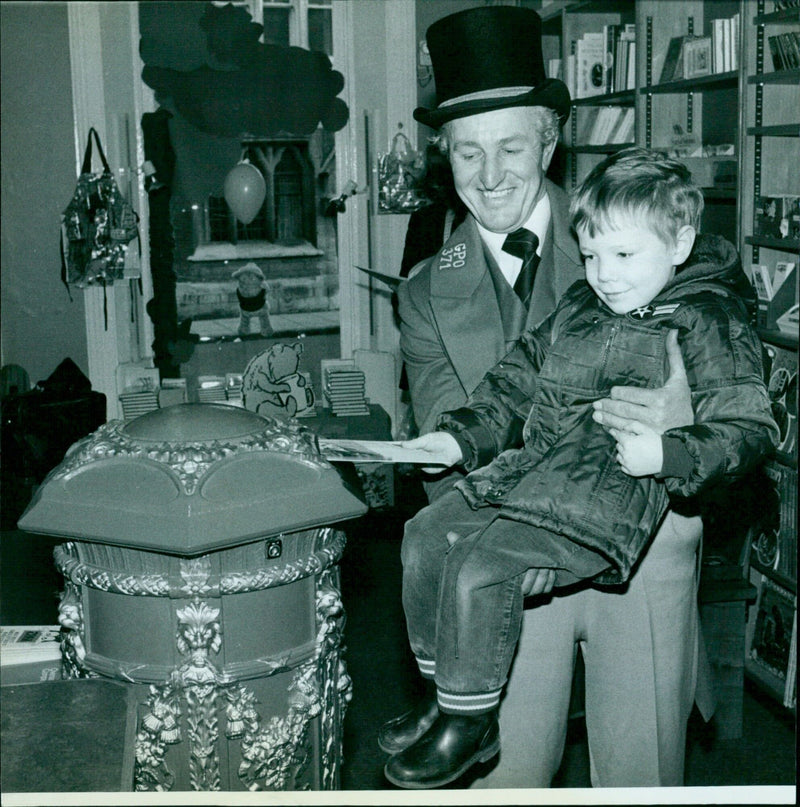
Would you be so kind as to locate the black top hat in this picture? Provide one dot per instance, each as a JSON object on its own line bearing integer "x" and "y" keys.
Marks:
{"x": 489, "y": 58}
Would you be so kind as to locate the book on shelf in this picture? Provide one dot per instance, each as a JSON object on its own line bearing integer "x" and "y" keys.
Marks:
{"x": 569, "y": 71}
{"x": 697, "y": 56}
{"x": 790, "y": 690}
{"x": 778, "y": 216}
{"x": 673, "y": 60}
{"x": 611, "y": 33}
{"x": 775, "y": 291}
{"x": 772, "y": 633}
{"x": 604, "y": 125}
{"x": 781, "y": 368}
{"x": 726, "y": 45}
{"x": 784, "y": 49}
{"x": 630, "y": 83}
{"x": 774, "y": 542}
{"x": 590, "y": 65}
{"x": 718, "y": 45}
{"x": 607, "y": 125}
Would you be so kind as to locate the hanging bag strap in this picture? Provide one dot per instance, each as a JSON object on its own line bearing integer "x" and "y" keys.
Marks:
{"x": 87, "y": 155}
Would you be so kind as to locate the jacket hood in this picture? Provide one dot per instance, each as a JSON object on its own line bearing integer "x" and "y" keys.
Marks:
{"x": 714, "y": 260}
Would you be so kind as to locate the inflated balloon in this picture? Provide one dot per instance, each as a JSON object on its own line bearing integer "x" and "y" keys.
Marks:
{"x": 245, "y": 190}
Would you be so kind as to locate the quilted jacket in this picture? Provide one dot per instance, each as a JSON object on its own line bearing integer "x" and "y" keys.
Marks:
{"x": 551, "y": 465}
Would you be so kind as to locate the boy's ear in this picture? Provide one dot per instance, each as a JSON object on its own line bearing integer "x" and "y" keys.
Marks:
{"x": 684, "y": 241}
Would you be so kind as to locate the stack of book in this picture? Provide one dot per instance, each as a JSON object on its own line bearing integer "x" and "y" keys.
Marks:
{"x": 211, "y": 389}
{"x": 29, "y": 653}
{"x": 608, "y": 124}
{"x": 776, "y": 295}
{"x": 785, "y": 50}
{"x": 138, "y": 400}
{"x": 172, "y": 392}
{"x": 345, "y": 389}
{"x": 602, "y": 62}
{"x": 233, "y": 389}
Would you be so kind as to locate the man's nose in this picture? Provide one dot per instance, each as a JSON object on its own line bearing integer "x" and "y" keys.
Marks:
{"x": 491, "y": 172}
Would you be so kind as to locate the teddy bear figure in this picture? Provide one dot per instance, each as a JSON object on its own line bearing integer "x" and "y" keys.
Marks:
{"x": 272, "y": 384}
{"x": 253, "y": 304}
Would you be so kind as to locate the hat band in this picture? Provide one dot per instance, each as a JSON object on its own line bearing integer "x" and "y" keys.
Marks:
{"x": 483, "y": 95}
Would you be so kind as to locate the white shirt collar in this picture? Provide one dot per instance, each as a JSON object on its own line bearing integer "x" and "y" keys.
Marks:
{"x": 538, "y": 222}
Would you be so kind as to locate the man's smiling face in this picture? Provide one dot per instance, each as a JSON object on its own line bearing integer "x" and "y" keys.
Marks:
{"x": 498, "y": 165}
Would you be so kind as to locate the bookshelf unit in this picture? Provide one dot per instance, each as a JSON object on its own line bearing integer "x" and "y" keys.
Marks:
{"x": 770, "y": 154}
{"x": 738, "y": 130}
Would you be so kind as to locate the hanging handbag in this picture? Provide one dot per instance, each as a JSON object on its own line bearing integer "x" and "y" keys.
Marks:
{"x": 96, "y": 226}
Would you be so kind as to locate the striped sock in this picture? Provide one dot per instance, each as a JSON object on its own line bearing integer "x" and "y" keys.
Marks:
{"x": 427, "y": 667}
{"x": 475, "y": 703}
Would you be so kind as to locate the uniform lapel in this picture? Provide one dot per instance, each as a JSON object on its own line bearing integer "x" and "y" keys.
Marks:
{"x": 465, "y": 306}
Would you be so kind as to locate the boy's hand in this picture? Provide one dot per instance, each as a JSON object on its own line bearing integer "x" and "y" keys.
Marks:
{"x": 441, "y": 445}
{"x": 639, "y": 454}
{"x": 667, "y": 407}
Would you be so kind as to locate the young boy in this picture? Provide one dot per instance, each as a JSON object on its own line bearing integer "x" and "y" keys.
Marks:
{"x": 549, "y": 488}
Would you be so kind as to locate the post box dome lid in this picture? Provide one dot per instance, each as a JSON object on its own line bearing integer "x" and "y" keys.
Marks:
{"x": 190, "y": 479}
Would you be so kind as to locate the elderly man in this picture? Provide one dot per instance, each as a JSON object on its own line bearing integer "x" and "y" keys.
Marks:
{"x": 500, "y": 272}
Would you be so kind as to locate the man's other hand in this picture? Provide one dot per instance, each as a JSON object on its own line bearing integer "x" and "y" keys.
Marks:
{"x": 538, "y": 581}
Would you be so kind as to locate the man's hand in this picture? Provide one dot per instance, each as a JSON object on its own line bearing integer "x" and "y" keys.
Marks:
{"x": 535, "y": 582}
{"x": 538, "y": 581}
{"x": 441, "y": 445}
{"x": 660, "y": 409}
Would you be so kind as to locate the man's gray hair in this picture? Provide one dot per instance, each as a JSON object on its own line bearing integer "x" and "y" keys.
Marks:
{"x": 546, "y": 122}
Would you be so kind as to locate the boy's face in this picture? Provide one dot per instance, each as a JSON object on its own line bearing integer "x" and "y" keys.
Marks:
{"x": 629, "y": 265}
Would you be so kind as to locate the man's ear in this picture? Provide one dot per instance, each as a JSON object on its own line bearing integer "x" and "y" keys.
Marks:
{"x": 547, "y": 155}
{"x": 684, "y": 241}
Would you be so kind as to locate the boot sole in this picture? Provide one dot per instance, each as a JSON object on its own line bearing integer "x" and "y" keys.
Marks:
{"x": 481, "y": 755}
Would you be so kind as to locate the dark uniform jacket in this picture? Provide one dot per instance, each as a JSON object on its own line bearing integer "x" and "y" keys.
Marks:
{"x": 565, "y": 477}
{"x": 451, "y": 309}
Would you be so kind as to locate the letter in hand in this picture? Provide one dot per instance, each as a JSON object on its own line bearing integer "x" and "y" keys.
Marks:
{"x": 667, "y": 407}
{"x": 441, "y": 445}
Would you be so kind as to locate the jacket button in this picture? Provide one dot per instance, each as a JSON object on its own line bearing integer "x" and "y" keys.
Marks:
{"x": 595, "y": 319}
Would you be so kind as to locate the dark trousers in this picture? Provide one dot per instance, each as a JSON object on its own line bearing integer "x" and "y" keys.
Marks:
{"x": 463, "y": 600}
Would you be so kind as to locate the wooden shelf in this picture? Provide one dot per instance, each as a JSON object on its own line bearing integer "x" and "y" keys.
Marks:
{"x": 720, "y": 194}
{"x": 780, "y": 579}
{"x": 621, "y": 98}
{"x": 783, "y": 244}
{"x": 776, "y": 77}
{"x": 716, "y": 81}
{"x": 786, "y": 16}
{"x": 606, "y": 148}
{"x": 779, "y": 338}
{"x": 779, "y": 130}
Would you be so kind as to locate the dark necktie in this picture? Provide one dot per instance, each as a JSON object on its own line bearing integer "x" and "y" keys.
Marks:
{"x": 522, "y": 244}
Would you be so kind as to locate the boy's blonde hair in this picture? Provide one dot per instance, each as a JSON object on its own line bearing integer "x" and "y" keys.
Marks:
{"x": 640, "y": 184}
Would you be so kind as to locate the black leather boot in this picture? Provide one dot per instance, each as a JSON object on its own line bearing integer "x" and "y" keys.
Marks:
{"x": 450, "y": 747}
{"x": 400, "y": 732}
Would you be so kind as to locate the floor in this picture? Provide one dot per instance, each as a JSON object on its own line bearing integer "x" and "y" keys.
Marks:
{"x": 383, "y": 678}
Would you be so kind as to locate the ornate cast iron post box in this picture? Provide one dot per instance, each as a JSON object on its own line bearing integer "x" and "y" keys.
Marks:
{"x": 201, "y": 567}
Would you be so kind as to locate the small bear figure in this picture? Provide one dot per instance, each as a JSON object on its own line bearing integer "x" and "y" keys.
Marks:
{"x": 252, "y": 294}
{"x": 272, "y": 385}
